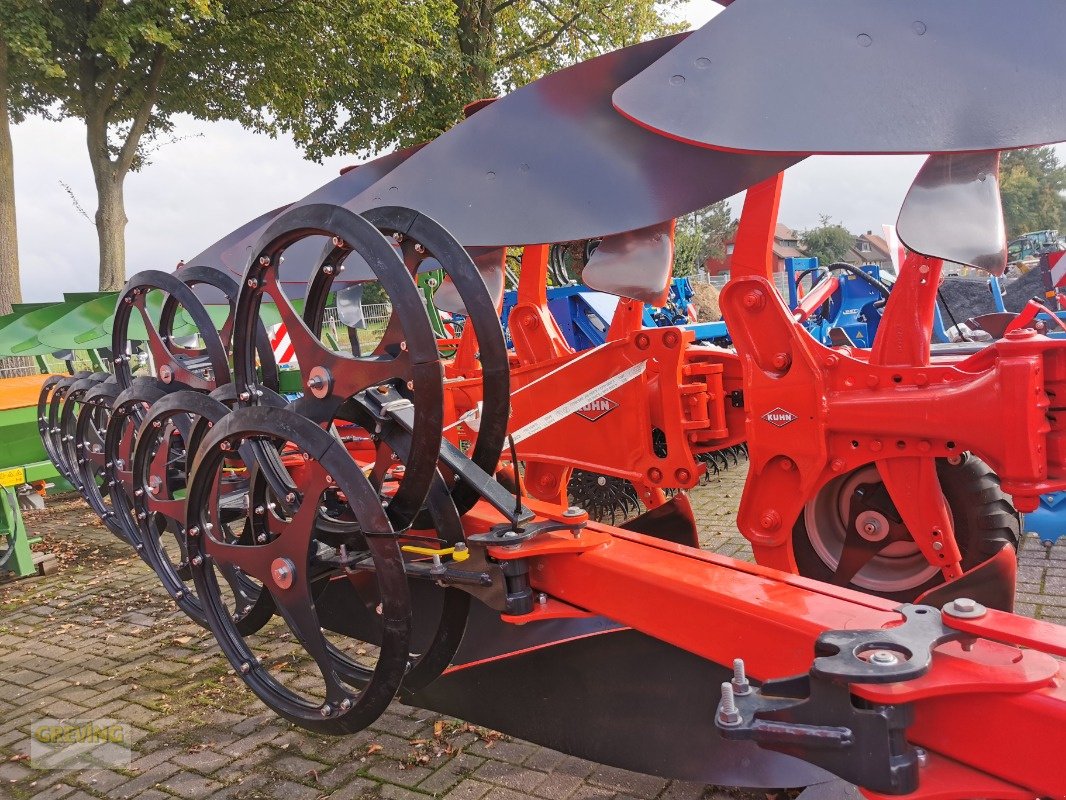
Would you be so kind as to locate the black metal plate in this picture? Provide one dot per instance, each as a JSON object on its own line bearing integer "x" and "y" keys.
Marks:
{"x": 953, "y": 211}
{"x": 553, "y": 162}
{"x": 616, "y": 697}
{"x": 231, "y": 252}
{"x": 862, "y": 76}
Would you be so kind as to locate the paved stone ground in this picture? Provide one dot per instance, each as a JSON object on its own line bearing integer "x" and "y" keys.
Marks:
{"x": 100, "y": 639}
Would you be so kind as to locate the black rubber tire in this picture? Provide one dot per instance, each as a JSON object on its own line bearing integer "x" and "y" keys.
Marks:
{"x": 985, "y": 521}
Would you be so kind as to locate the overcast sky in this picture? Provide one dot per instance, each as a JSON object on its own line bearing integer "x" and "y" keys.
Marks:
{"x": 220, "y": 176}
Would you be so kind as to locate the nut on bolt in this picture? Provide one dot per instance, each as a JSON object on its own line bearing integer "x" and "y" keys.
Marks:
{"x": 740, "y": 683}
{"x": 964, "y": 608}
{"x": 728, "y": 713}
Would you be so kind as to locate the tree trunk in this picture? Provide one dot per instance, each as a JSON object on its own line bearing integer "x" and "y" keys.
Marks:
{"x": 477, "y": 43}
{"x": 111, "y": 229}
{"x": 10, "y": 287}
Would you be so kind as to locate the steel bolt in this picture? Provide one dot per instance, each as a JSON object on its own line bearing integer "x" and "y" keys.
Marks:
{"x": 193, "y": 531}
{"x": 245, "y": 396}
{"x": 246, "y": 668}
{"x": 327, "y": 270}
{"x": 345, "y": 704}
{"x": 770, "y": 521}
{"x": 782, "y": 361}
{"x": 754, "y": 300}
{"x": 964, "y": 605}
{"x": 741, "y": 686}
{"x": 884, "y": 658}
{"x": 923, "y": 758}
{"x": 573, "y": 511}
{"x": 253, "y": 283}
{"x": 326, "y": 710}
{"x": 283, "y": 571}
{"x": 728, "y": 713}
{"x": 542, "y": 599}
{"x": 197, "y": 560}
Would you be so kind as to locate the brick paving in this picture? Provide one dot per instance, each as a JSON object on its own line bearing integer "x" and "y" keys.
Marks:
{"x": 100, "y": 639}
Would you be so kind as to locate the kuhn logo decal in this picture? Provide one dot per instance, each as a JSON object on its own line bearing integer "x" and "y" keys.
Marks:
{"x": 596, "y": 409}
{"x": 779, "y": 417}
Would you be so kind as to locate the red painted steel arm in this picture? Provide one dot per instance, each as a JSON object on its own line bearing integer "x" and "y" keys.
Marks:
{"x": 753, "y": 252}
{"x": 722, "y": 609}
{"x": 815, "y": 297}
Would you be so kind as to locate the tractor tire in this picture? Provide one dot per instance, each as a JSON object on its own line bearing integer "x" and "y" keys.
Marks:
{"x": 985, "y": 522}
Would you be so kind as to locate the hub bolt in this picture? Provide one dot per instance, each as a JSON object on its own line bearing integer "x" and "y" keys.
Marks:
{"x": 884, "y": 658}
{"x": 741, "y": 686}
{"x": 283, "y": 571}
{"x": 728, "y": 713}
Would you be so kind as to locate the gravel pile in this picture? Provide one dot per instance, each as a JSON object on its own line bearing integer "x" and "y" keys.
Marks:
{"x": 1020, "y": 291}
{"x": 969, "y": 297}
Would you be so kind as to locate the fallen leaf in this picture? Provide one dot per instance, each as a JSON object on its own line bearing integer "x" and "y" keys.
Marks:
{"x": 374, "y": 748}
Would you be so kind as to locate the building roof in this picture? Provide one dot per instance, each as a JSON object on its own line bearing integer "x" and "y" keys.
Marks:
{"x": 786, "y": 251}
{"x": 785, "y": 232}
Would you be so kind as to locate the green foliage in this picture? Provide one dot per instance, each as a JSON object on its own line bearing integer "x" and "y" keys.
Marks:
{"x": 828, "y": 242}
{"x": 336, "y": 75}
{"x": 491, "y": 47}
{"x": 1032, "y": 182}
{"x": 26, "y": 35}
{"x": 702, "y": 235}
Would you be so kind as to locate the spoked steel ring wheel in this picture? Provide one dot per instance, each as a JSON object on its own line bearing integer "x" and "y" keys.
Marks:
{"x": 127, "y": 411}
{"x": 283, "y": 554}
{"x": 43, "y": 402}
{"x": 195, "y": 277}
{"x": 56, "y": 434}
{"x": 191, "y": 368}
{"x": 70, "y": 443}
{"x": 94, "y": 460}
{"x": 405, "y": 362}
{"x": 420, "y": 238}
{"x": 166, "y": 442}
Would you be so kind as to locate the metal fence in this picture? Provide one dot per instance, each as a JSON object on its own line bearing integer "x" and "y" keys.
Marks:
{"x": 718, "y": 281}
{"x": 375, "y": 319}
{"x": 373, "y": 314}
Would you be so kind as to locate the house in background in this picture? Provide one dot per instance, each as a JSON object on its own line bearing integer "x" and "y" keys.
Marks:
{"x": 786, "y": 245}
{"x": 868, "y": 248}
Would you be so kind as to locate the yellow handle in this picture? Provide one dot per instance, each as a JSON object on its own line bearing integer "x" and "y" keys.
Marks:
{"x": 457, "y": 555}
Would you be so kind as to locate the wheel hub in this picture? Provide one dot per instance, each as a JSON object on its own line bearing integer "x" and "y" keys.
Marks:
{"x": 283, "y": 571}
{"x": 872, "y": 526}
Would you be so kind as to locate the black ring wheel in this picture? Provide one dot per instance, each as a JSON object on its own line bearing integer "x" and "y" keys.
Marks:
{"x": 287, "y": 563}
{"x": 406, "y": 359}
